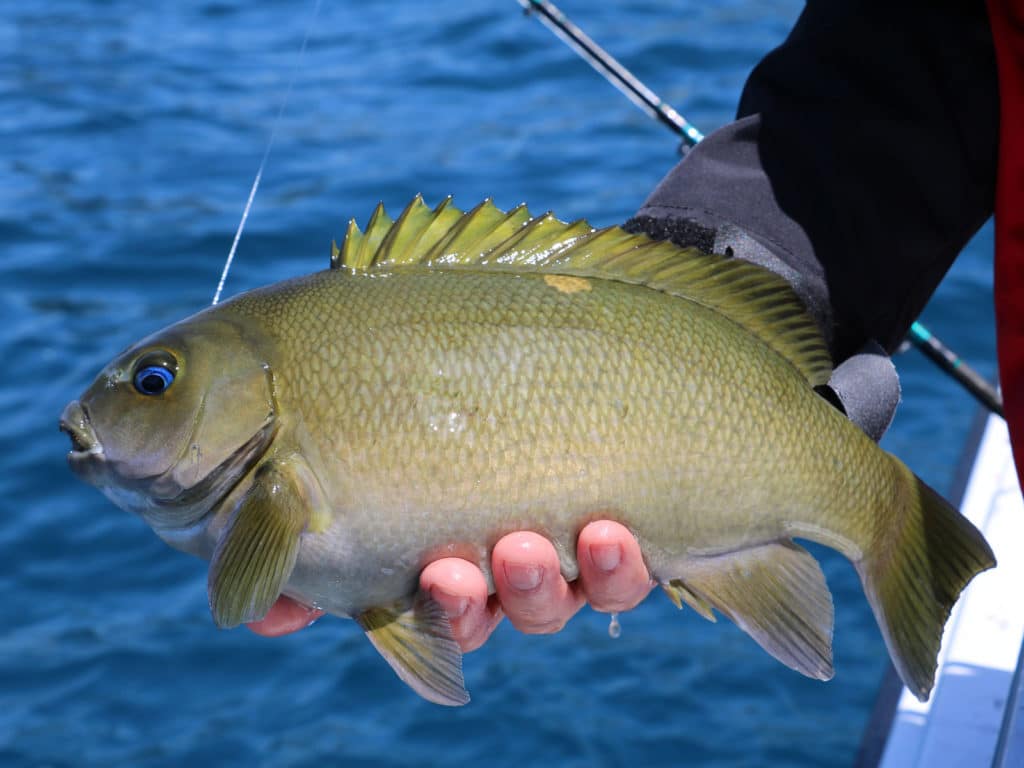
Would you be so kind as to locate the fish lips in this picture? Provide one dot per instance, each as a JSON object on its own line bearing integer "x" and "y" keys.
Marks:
{"x": 86, "y": 456}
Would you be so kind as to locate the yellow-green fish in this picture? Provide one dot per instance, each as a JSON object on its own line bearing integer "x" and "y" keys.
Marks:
{"x": 457, "y": 376}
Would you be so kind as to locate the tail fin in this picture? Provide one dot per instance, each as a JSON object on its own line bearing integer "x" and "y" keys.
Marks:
{"x": 916, "y": 574}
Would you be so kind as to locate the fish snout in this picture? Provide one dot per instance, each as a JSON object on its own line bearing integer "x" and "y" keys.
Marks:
{"x": 86, "y": 449}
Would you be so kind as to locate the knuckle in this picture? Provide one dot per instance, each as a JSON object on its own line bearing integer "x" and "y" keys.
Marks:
{"x": 616, "y": 600}
{"x": 541, "y": 615}
{"x": 539, "y": 625}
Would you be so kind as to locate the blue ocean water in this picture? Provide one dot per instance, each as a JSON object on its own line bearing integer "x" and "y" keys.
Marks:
{"x": 130, "y": 134}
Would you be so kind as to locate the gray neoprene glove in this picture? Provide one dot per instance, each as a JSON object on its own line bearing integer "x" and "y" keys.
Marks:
{"x": 864, "y": 384}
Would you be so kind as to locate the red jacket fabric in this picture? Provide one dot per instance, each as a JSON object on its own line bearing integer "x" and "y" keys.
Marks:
{"x": 1007, "y": 20}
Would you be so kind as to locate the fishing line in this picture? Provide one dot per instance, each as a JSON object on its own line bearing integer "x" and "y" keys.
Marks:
{"x": 611, "y": 70}
{"x": 266, "y": 153}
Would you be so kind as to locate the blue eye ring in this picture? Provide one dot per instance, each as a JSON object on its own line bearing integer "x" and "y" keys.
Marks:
{"x": 154, "y": 374}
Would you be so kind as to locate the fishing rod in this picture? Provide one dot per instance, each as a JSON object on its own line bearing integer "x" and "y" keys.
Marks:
{"x": 625, "y": 81}
{"x": 612, "y": 71}
{"x": 954, "y": 365}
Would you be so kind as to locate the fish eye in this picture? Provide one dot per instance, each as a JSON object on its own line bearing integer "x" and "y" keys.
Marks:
{"x": 154, "y": 373}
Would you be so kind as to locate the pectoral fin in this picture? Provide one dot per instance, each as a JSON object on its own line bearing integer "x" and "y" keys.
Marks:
{"x": 257, "y": 550}
{"x": 776, "y": 593}
{"x": 417, "y": 642}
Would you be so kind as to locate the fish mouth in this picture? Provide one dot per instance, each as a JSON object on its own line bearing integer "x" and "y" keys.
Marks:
{"x": 85, "y": 445}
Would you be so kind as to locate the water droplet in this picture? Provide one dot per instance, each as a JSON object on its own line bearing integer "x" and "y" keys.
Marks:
{"x": 614, "y": 628}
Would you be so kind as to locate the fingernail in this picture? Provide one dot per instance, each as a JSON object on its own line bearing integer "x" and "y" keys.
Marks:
{"x": 523, "y": 577}
{"x": 453, "y": 606}
{"x": 458, "y": 608}
{"x": 606, "y": 556}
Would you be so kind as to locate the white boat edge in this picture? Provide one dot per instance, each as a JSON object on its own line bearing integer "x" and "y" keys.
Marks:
{"x": 975, "y": 716}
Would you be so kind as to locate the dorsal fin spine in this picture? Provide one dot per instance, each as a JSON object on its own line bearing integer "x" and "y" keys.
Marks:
{"x": 353, "y": 237}
{"x": 366, "y": 248}
{"x": 457, "y": 230}
{"x": 405, "y": 231}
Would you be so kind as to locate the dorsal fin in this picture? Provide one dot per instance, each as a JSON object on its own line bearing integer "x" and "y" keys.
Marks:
{"x": 488, "y": 238}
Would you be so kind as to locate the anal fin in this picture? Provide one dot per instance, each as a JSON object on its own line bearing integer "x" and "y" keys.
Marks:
{"x": 679, "y": 594}
{"x": 417, "y": 642}
{"x": 775, "y": 592}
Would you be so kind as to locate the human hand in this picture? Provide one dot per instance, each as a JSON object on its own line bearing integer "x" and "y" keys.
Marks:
{"x": 530, "y": 588}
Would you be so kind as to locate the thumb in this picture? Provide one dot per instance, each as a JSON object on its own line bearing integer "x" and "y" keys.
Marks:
{"x": 866, "y": 388}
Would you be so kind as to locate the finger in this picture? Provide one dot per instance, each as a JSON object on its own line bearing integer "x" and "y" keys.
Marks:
{"x": 460, "y": 588}
{"x": 284, "y": 617}
{"x": 530, "y": 586}
{"x": 612, "y": 572}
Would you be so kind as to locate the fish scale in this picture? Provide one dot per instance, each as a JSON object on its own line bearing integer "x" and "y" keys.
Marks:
{"x": 456, "y": 377}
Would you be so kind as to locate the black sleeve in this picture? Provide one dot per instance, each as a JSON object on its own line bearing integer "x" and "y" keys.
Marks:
{"x": 864, "y": 158}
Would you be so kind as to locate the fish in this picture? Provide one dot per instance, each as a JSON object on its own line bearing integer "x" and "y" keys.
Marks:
{"x": 456, "y": 376}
